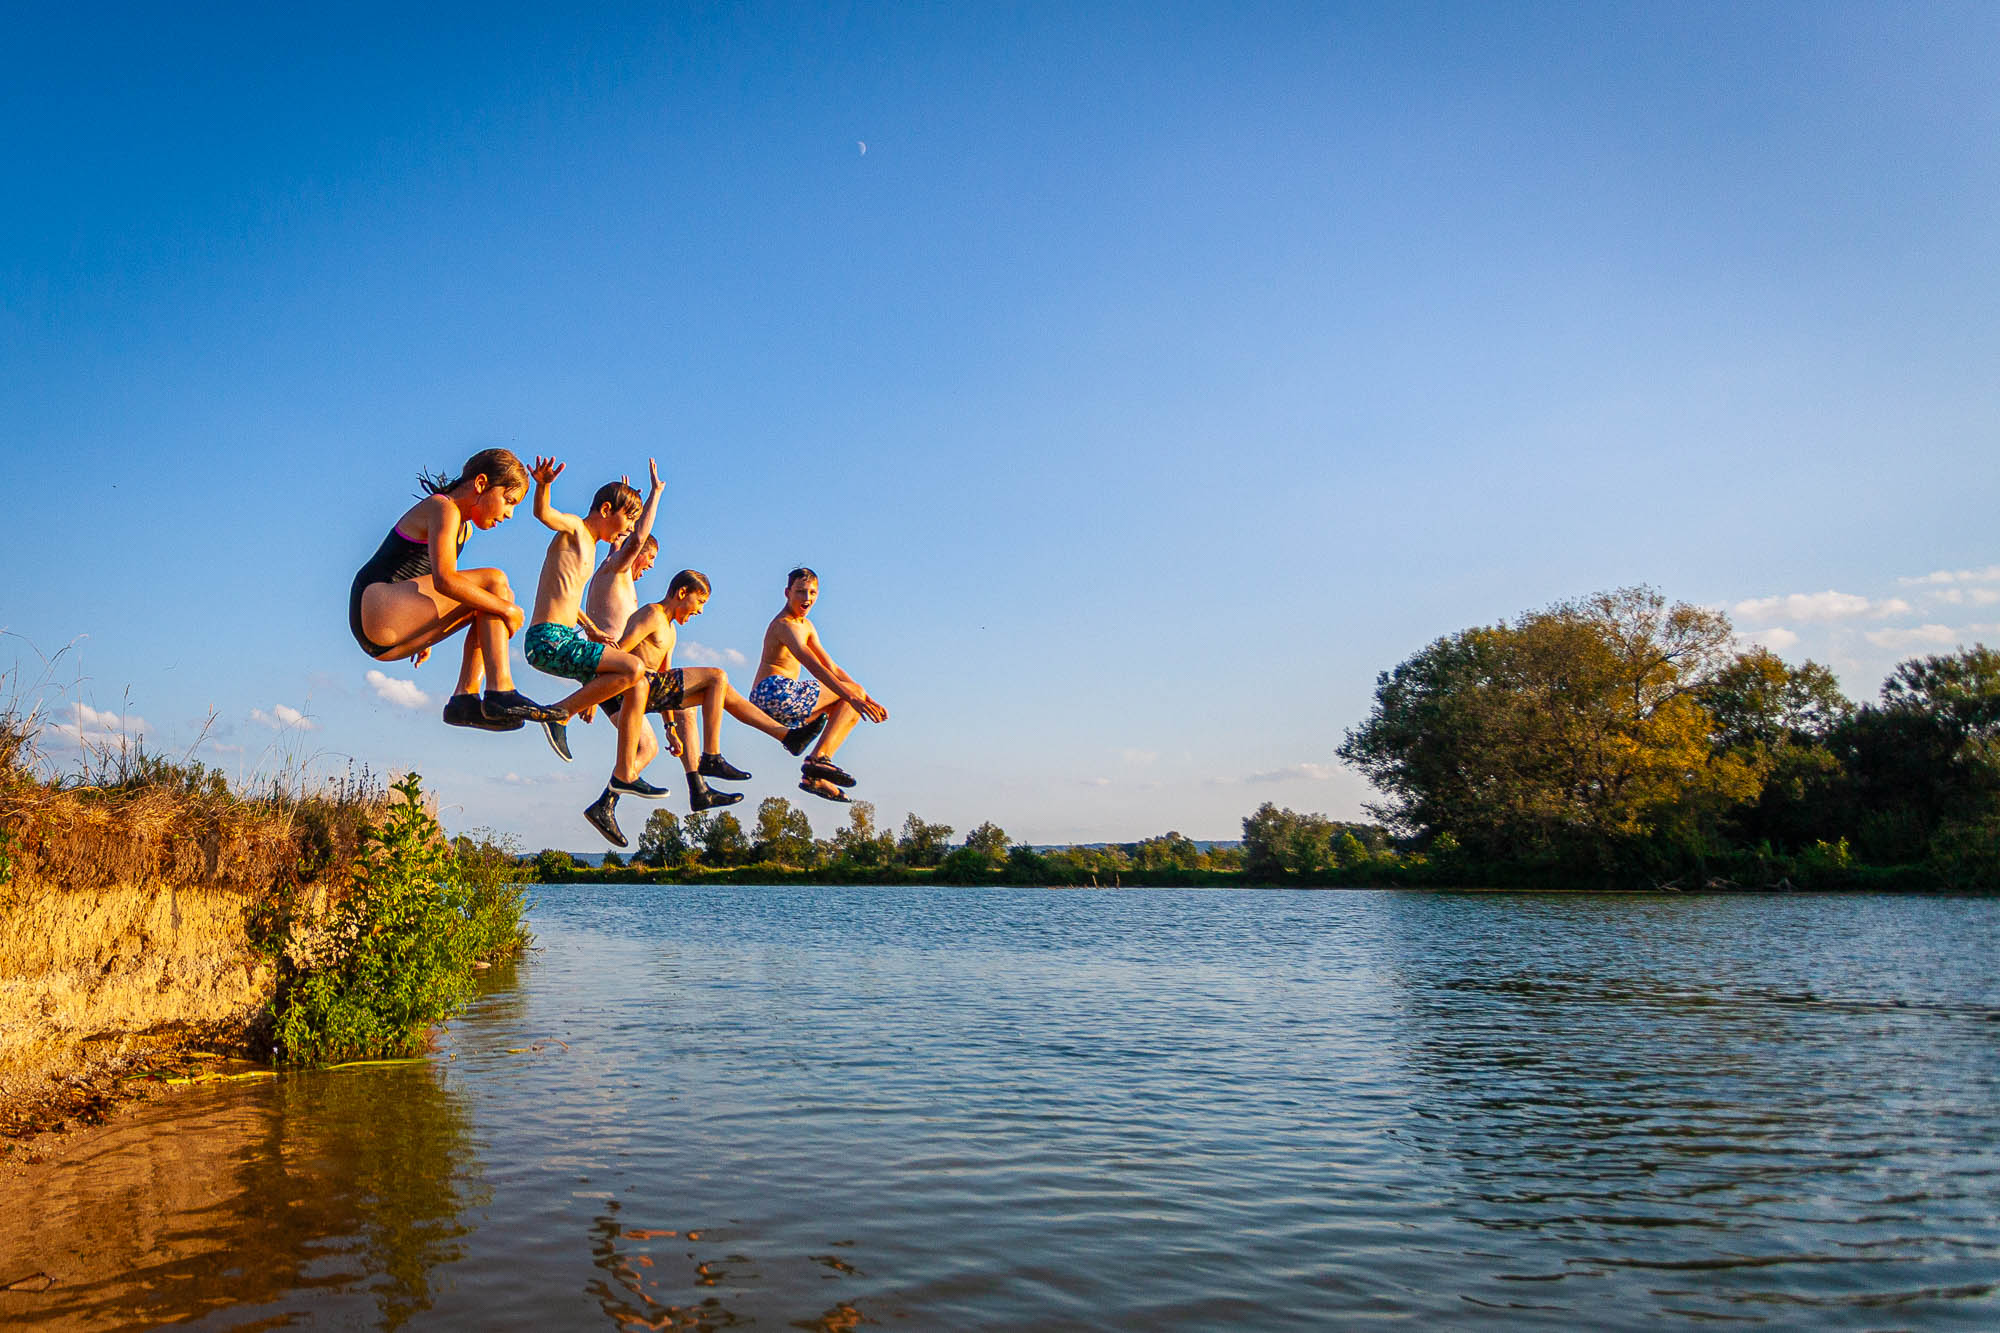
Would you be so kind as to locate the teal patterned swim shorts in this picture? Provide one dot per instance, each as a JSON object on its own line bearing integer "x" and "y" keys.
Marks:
{"x": 561, "y": 650}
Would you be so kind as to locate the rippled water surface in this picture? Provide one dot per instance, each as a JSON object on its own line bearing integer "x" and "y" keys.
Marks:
{"x": 822, "y": 1107}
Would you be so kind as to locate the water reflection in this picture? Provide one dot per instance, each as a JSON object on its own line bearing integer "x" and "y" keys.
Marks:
{"x": 1716, "y": 1120}
{"x": 346, "y": 1186}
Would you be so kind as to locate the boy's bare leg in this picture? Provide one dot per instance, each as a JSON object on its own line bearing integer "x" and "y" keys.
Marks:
{"x": 750, "y": 715}
{"x": 690, "y": 752}
{"x": 631, "y": 725}
{"x": 840, "y": 719}
{"x": 617, "y": 672}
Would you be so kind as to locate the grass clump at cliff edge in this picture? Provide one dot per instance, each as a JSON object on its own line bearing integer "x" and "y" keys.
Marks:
{"x": 367, "y": 976}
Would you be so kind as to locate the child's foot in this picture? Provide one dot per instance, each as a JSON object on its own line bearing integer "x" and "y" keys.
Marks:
{"x": 639, "y": 787}
{"x": 823, "y": 789}
{"x": 514, "y": 706}
{"x": 462, "y": 710}
{"x": 798, "y": 738}
{"x": 715, "y": 766}
{"x": 826, "y": 769}
{"x": 558, "y": 735}
{"x": 603, "y": 816}
{"x": 708, "y": 798}
{"x": 700, "y": 797}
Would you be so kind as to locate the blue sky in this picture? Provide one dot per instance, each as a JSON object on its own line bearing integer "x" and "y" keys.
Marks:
{"x": 1156, "y": 376}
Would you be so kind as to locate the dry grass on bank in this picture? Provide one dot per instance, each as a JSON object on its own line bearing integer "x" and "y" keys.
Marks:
{"x": 126, "y": 816}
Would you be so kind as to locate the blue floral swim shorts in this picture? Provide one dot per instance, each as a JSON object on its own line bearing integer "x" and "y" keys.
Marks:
{"x": 786, "y": 700}
{"x": 561, "y": 650}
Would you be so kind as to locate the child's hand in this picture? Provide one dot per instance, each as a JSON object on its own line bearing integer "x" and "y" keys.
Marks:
{"x": 421, "y": 655}
{"x": 596, "y": 635}
{"x": 871, "y": 710}
{"x": 674, "y": 736}
{"x": 515, "y": 615}
{"x": 587, "y": 713}
{"x": 653, "y": 469}
{"x": 545, "y": 470}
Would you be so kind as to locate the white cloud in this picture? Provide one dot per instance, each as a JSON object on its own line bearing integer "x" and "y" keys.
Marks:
{"x": 1776, "y": 639}
{"x": 93, "y": 727}
{"x": 1923, "y": 636}
{"x": 1140, "y": 756}
{"x": 1990, "y": 574}
{"x": 700, "y": 654}
{"x": 1967, "y": 596}
{"x": 1828, "y": 605}
{"x": 1295, "y": 773}
{"x": 1095, "y": 782}
{"x": 282, "y": 716}
{"x": 395, "y": 690}
{"x": 514, "y": 779}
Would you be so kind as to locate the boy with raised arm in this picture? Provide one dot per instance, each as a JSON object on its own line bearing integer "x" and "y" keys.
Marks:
{"x": 791, "y": 643}
{"x": 675, "y": 691}
{"x": 564, "y": 641}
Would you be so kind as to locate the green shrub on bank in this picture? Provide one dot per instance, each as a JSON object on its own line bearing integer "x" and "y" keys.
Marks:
{"x": 394, "y": 955}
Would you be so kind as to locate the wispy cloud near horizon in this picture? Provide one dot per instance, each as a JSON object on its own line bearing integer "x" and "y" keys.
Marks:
{"x": 1828, "y": 605}
{"x": 284, "y": 716}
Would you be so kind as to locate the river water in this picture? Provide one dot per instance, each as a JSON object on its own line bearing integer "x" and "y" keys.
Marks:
{"x": 823, "y": 1108}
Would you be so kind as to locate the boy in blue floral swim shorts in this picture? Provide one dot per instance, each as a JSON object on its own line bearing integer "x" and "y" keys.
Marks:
{"x": 791, "y": 645}
{"x": 563, "y": 641}
{"x": 678, "y": 692}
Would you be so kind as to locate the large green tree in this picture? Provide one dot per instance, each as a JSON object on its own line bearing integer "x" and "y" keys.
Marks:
{"x": 1573, "y": 736}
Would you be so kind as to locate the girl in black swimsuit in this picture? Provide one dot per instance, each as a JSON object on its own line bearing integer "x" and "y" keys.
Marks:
{"x": 411, "y": 595}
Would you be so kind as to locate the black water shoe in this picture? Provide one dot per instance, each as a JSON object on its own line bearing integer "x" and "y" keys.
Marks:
{"x": 798, "y": 738}
{"x": 639, "y": 787}
{"x": 514, "y": 706}
{"x": 701, "y": 797}
{"x": 462, "y": 710}
{"x": 715, "y": 766}
{"x": 603, "y": 816}
{"x": 558, "y": 735}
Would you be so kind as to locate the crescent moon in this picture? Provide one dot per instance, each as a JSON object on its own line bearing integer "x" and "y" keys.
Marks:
{"x": 863, "y": 146}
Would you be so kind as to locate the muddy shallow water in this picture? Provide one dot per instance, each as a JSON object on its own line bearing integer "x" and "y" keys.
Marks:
{"x": 811, "y": 1107}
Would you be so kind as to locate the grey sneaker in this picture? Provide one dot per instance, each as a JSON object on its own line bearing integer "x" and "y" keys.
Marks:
{"x": 639, "y": 787}
{"x": 558, "y": 735}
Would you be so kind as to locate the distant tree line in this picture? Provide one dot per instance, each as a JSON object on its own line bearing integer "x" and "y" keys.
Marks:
{"x": 1615, "y": 740}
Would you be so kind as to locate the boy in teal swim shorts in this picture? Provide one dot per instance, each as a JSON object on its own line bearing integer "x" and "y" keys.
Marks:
{"x": 563, "y": 641}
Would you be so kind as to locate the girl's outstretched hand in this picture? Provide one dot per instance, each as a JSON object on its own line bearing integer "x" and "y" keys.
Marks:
{"x": 654, "y": 470}
{"x": 545, "y": 470}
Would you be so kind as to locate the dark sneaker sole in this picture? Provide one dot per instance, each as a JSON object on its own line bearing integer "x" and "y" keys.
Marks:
{"x": 645, "y": 793}
{"x": 481, "y": 724}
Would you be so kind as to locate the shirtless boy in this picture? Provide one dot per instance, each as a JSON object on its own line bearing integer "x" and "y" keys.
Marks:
{"x": 650, "y": 636}
{"x": 564, "y": 641}
{"x": 791, "y": 643}
{"x": 614, "y": 594}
